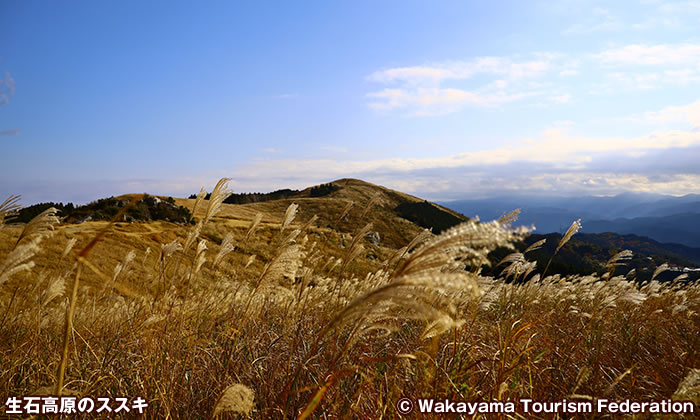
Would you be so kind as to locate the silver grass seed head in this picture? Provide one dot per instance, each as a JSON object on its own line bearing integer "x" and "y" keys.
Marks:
{"x": 170, "y": 248}
{"x": 254, "y": 224}
{"x": 69, "y": 246}
{"x": 372, "y": 201}
{"x": 9, "y": 207}
{"x": 250, "y": 261}
{"x": 18, "y": 259}
{"x": 573, "y": 229}
{"x": 198, "y": 201}
{"x": 237, "y": 398}
{"x": 200, "y": 258}
{"x": 345, "y": 211}
{"x": 226, "y": 248}
{"x": 660, "y": 269}
{"x": 620, "y": 258}
{"x": 535, "y": 246}
{"x": 509, "y": 217}
{"x": 217, "y": 197}
{"x": 193, "y": 235}
{"x": 289, "y": 215}
{"x": 56, "y": 288}
{"x": 41, "y": 225}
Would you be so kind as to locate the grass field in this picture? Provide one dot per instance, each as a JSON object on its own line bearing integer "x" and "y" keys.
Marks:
{"x": 269, "y": 310}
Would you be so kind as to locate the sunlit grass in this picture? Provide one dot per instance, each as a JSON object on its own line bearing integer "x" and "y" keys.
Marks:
{"x": 285, "y": 315}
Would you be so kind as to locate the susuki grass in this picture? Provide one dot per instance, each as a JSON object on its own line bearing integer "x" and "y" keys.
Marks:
{"x": 279, "y": 321}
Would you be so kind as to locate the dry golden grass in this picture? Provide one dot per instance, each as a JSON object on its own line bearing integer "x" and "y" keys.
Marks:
{"x": 308, "y": 318}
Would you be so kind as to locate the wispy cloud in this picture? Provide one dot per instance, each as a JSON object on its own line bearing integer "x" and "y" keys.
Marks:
{"x": 433, "y": 101}
{"x": 676, "y": 7}
{"x": 600, "y": 20}
{"x": 642, "y": 66}
{"x": 556, "y": 161}
{"x": 685, "y": 113}
{"x": 494, "y": 81}
{"x": 649, "y": 15}
{"x": 651, "y": 55}
{"x": 561, "y": 99}
{"x": 460, "y": 70}
{"x": 333, "y": 149}
{"x": 563, "y": 123}
{"x": 421, "y": 90}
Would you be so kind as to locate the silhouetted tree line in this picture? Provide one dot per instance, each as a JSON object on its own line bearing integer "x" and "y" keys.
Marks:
{"x": 323, "y": 189}
{"x": 148, "y": 208}
{"x": 246, "y": 198}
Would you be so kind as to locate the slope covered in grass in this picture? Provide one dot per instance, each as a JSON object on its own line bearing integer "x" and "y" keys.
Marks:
{"x": 292, "y": 315}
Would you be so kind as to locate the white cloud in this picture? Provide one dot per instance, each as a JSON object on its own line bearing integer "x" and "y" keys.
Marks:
{"x": 433, "y": 101}
{"x": 686, "y": 113}
{"x": 682, "y": 76}
{"x": 418, "y": 74}
{"x": 683, "y": 7}
{"x": 599, "y": 21}
{"x": 671, "y": 15}
{"x": 423, "y": 97}
{"x": 568, "y": 72}
{"x": 642, "y": 66}
{"x": 634, "y": 80}
{"x": 461, "y": 70}
{"x": 564, "y": 123}
{"x": 422, "y": 90}
{"x": 555, "y": 161}
{"x": 333, "y": 149}
{"x": 651, "y": 55}
{"x": 561, "y": 99}
{"x": 605, "y": 25}
{"x": 671, "y": 116}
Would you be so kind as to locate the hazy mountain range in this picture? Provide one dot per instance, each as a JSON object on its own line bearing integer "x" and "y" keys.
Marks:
{"x": 666, "y": 219}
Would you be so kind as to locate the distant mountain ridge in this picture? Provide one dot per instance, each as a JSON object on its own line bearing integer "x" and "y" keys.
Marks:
{"x": 665, "y": 219}
{"x": 678, "y": 254}
{"x": 677, "y": 228}
{"x": 587, "y": 253}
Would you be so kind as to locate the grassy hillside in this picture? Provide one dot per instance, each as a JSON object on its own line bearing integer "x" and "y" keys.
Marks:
{"x": 295, "y": 308}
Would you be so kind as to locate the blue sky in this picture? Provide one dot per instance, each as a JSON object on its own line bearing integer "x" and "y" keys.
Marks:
{"x": 442, "y": 99}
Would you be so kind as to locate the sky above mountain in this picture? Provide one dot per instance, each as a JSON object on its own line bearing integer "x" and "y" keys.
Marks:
{"x": 445, "y": 100}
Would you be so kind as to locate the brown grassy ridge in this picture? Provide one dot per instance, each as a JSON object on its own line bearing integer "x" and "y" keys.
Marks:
{"x": 321, "y": 321}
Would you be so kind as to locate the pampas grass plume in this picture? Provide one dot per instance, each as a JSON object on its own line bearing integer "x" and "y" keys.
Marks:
{"x": 218, "y": 195}
{"x": 41, "y": 225}
{"x": 9, "y": 207}
{"x": 289, "y": 216}
{"x": 237, "y": 398}
{"x": 226, "y": 248}
{"x": 254, "y": 225}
